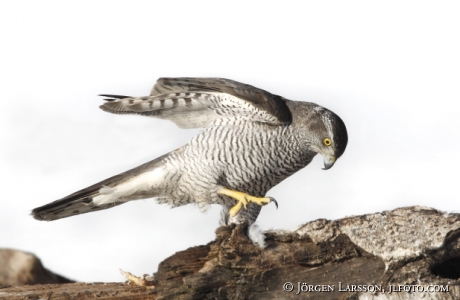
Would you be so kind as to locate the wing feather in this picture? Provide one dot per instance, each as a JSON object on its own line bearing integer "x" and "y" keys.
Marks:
{"x": 195, "y": 102}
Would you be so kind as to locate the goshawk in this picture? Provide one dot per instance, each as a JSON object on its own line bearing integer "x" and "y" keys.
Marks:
{"x": 252, "y": 140}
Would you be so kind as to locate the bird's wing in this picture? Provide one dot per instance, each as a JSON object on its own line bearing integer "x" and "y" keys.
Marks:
{"x": 195, "y": 102}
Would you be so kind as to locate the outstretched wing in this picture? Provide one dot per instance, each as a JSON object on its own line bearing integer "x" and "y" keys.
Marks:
{"x": 196, "y": 102}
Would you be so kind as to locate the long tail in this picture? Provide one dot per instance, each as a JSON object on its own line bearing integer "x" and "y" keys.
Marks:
{"x": 108, "y": 193}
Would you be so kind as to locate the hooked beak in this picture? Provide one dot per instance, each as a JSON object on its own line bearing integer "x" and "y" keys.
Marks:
{"x": 329, "y": 162}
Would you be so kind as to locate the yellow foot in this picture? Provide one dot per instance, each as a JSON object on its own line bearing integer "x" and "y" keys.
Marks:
{"x": 141, "y": 281}
{"x": 243, "y": 200}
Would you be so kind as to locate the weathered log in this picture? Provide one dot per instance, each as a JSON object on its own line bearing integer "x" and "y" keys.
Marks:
{"x": 390, "y": 255}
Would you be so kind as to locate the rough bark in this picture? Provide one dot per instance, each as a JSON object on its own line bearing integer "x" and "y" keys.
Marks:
{"x": 409, "y": 248}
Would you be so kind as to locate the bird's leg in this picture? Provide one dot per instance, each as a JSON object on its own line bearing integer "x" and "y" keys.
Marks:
{"x": 244, "y": 199}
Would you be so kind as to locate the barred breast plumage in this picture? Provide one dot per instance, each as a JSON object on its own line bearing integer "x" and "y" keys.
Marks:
{"x": 240, "y": 155}
{"x": 252, "y": 140}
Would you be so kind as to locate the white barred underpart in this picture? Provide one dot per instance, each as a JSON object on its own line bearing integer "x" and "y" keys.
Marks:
{"x": 235, "y": 154}
{"x": 139, "y": 187}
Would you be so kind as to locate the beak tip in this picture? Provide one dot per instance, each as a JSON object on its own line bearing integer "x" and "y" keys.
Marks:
{"x": 328, "y": 164}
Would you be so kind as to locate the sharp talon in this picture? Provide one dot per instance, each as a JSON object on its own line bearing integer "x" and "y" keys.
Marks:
{"x": 243, "y": 199}
{"x": 273, "y": 200}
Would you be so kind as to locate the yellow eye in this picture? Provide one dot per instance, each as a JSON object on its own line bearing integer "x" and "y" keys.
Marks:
{"x": 327, "y": 142}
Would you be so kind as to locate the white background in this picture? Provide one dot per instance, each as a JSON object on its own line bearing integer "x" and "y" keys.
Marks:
{"x": 390, "y": 69}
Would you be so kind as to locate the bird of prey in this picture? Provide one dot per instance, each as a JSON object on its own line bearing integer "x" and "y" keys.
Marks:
{"x": 251, "y": 141}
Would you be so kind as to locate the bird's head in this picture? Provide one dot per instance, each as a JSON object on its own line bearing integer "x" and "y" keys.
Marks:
{"x": 329, "y": 136}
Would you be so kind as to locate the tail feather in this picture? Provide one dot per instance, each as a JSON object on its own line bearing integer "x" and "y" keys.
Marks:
{"x": 62, "y": 209}
{"x": 77, "y": 203}
{"x": 81, "y": 202}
